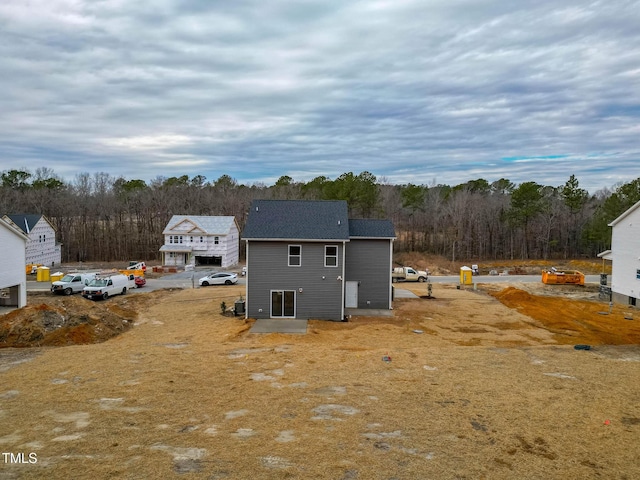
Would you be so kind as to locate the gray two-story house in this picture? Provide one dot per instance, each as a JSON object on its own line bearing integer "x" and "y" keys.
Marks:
{"x": 307, "y": 260}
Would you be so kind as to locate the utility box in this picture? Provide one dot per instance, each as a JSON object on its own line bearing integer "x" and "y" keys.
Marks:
{"x": 466, "y": 275}
{"x": 239, "y": 308}
{"x": 43, "y": 274}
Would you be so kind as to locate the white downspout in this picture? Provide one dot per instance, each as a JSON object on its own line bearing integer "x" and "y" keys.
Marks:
{"x": 390, "y": 273}
{"x": 246, "y": 284}
{"x": 344, "y": 279}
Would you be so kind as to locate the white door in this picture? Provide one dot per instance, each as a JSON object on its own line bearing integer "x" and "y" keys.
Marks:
{"x": 351, "y": 295}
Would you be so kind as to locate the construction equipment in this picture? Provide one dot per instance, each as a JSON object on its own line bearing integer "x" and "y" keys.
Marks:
{"x": 566, "y": 277}
{"x": 32, "y": 268}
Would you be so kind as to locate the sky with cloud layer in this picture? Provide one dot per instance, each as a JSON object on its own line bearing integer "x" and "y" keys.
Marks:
{"x": 423, "y": 92}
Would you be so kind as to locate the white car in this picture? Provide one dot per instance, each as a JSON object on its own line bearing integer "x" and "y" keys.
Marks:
{"x": 220, "y": 278}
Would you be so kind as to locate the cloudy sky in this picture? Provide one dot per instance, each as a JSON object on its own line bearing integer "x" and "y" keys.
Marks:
{"x": 430, "y": 91}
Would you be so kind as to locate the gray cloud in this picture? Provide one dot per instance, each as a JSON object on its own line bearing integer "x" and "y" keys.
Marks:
{"x": 415, "y": 91}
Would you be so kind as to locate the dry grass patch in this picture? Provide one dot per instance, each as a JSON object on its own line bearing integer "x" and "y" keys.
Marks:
{"x": 189, "y": 393}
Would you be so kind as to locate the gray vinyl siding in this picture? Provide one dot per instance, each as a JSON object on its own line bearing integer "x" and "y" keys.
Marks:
{"x": 267, "y": 270}
{"x": 369, "y": 262}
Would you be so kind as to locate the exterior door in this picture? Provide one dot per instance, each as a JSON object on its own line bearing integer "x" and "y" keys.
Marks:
{"x": 351, "y": 295}
{"x": 283, "y": 303}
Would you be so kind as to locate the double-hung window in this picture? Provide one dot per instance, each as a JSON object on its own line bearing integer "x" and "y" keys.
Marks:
{"x": 295, "y": 255}
{"x": 330, "y": 255}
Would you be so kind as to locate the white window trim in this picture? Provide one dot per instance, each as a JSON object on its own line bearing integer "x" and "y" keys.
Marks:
{"x": 289, "y": 256}
{"x": 331, "y": 256}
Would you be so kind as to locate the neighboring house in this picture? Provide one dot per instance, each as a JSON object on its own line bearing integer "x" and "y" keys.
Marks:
{"x": 201, "y": 240}
{"x": 41, "y": 246}
{"x": 13, "y": 282}
{"x": 625, "y": 257}
{"x": 307, "y": 260}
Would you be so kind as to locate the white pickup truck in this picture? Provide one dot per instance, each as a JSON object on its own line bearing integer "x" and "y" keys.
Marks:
{"x": 408, "y": 274}
{"x": 72, "y": 283}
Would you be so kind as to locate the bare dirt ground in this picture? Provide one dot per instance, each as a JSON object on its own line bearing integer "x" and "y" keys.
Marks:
{"x": 438, "y": 265}
{"x": 469, "y": 384}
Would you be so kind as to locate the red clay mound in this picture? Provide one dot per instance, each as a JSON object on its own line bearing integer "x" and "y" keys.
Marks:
{"x": 575, "y": 321}
{"x": 64, "y": 321}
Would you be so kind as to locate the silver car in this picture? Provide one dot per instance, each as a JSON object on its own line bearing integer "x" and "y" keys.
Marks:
{"x": 220, "y": 278}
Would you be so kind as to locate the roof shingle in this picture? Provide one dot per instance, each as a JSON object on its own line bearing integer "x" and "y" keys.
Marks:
{"x": 371, "y": 228}
{"x": 25, "y": 222}
{"x": 212, "y": 225}
{"x": 297, "y": 220}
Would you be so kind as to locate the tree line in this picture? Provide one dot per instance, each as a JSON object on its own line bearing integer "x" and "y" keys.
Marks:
{"x": 100, "y": 217}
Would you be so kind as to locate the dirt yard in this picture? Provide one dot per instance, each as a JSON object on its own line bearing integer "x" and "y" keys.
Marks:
{"x": 466, "y": 385}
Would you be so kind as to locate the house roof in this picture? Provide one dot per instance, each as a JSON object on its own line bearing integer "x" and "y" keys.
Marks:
{"x": 297, "y": 220}
{"x": 371, "y": 228}
{"x": 24, "y": 222}
{"x": 14, "y": 229}
{"x": 211, "y": 225}
{"x": 625, "y": 214}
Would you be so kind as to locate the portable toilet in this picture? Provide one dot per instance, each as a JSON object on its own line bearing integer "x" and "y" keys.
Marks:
{"x": 466, "y": 276}
{"x": 43, "y": 274}
{"x": 55, "y": 277}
